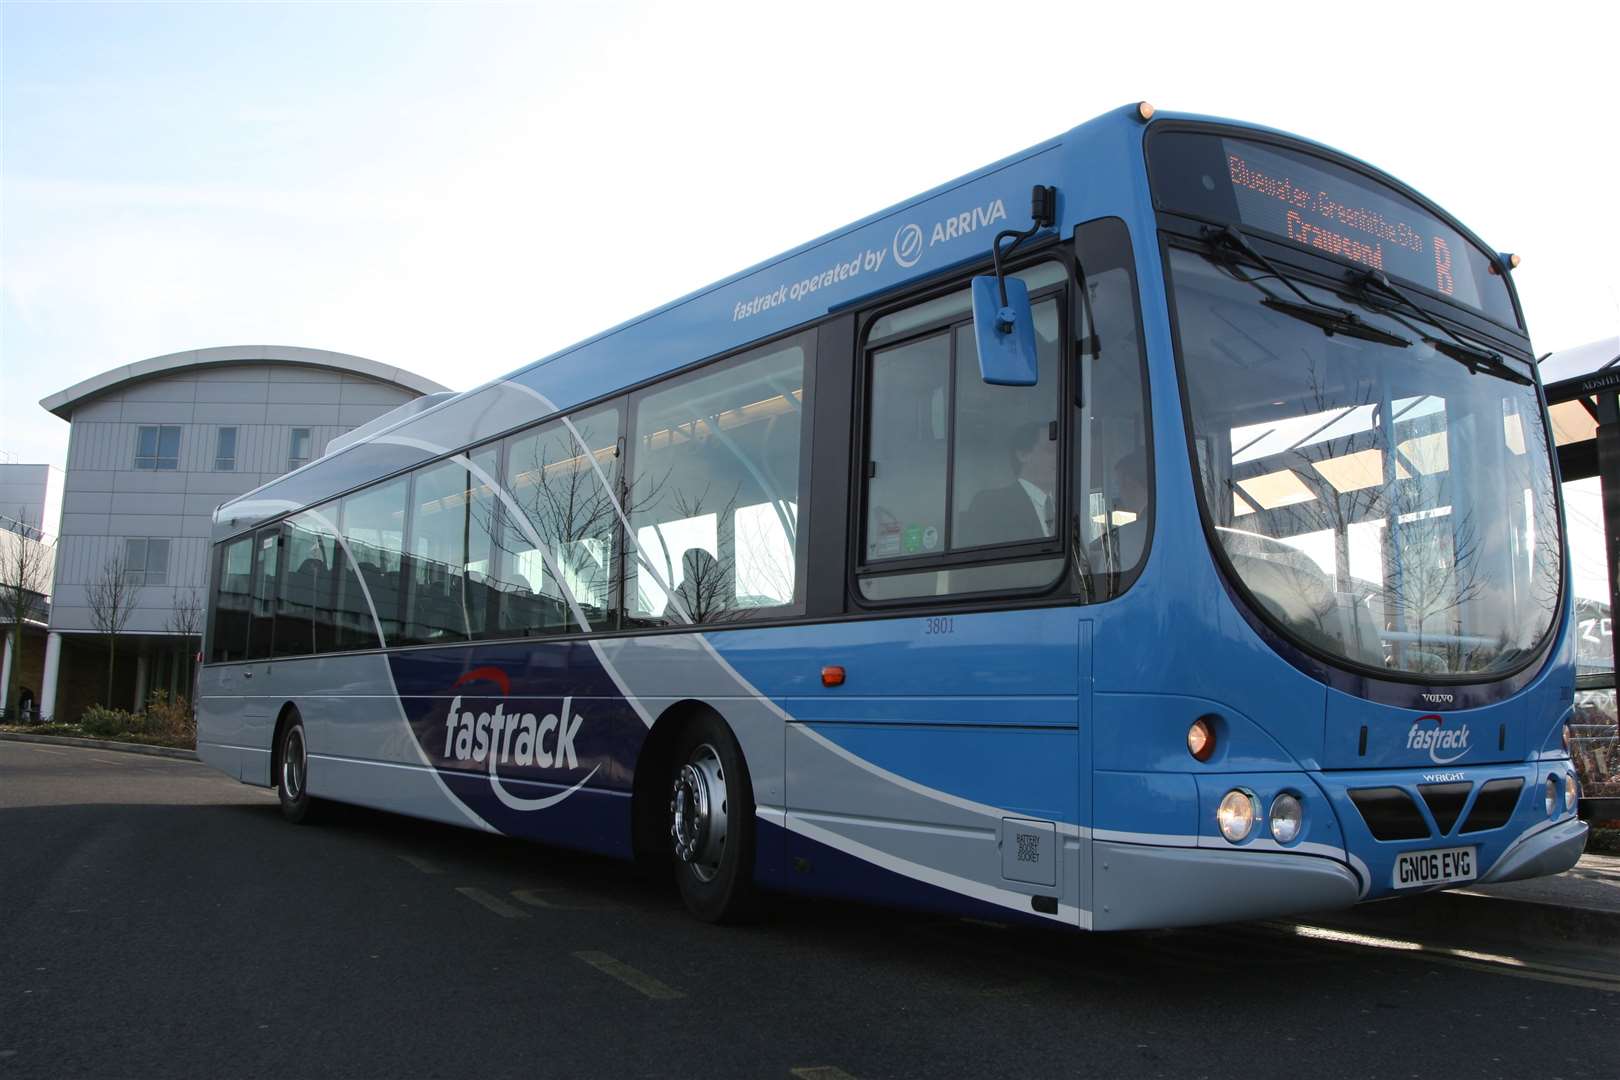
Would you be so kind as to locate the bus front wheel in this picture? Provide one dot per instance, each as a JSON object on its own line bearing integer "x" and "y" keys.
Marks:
{"x": 711, "y": 815}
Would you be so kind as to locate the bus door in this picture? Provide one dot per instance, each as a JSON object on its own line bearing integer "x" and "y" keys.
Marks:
{"x": 253, "y": 675}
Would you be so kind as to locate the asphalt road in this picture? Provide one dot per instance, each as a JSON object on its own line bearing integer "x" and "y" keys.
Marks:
{"x": 158, "y": 919}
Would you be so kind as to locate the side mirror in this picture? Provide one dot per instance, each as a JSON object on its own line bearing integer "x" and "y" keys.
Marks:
{"x": 1004, "y": 332}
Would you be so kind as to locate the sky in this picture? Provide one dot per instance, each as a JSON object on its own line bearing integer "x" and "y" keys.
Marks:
{"x": 460, "y": 189}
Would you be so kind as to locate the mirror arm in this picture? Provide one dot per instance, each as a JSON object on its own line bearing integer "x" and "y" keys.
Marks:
{"x": 1043, "y": 211}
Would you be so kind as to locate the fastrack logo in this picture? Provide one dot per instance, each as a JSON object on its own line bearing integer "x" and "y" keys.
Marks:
{"x": 1437, "y": 739}
{"x": 1438, "y": 699}
{"x": 517, "y": 738}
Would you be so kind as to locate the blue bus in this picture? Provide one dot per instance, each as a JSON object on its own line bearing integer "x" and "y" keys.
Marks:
{"x": 1156, "y": 527}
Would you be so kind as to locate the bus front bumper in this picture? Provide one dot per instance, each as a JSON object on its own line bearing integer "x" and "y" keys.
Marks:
{"x": 1549, "y": 850}
{"x": 1142, "y": 886}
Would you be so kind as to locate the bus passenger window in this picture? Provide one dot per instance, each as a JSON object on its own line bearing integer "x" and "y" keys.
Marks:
{"x": 304, "y": 620}
{"x": 231, "y": 601}
{"x": 714, "y": 503}
{"x": 558, "y": 557}
{"x": 374, "y": 530}
{"x": 481, "y": 597}
{"x": 262, "y": 614}
{"x": 437, "y": 548}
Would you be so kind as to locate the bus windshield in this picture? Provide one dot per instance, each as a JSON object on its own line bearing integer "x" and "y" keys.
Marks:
{"x": 1386, "y": 504}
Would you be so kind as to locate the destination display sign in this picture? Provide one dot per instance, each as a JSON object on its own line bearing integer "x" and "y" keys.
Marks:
{"x": 1319, "y": 205}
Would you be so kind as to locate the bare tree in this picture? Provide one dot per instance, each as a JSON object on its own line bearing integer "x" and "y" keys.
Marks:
{"x": 185, "y": 622}
{"x": 25, "y": 569}
{"x": 112, "y": 598}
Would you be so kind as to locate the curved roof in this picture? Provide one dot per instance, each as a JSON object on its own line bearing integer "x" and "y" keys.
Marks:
{"x": 63, "y": 402}
{"x": 1573, "y": 366}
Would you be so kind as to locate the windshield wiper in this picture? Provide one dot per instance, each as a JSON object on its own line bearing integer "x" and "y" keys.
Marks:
{"x": 1474, "y": 357}
{"x": 1326, "y": 317}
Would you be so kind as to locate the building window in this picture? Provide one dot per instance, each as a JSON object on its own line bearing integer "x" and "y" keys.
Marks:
{"x": 225, "y": 452}
{"x": 157, "y": 447}
{"x": 298, "y": 448}
{"x": 146, "y": 562}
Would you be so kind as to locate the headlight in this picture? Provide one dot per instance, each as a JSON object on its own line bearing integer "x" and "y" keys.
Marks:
{"x": 1552, "y": 795}
{"x": 1236, "y": 815}
{"x": 1287, "y": 817}
{"x": 1572, "y": 791}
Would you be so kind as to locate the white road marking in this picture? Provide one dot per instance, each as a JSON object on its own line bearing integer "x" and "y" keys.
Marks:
{"x": 493, "y": 903}
{"x": 631, "y": 977}
{"x": 821, "y": 1072}
{"x": 533, "y": 898}
{"x": 42, "y": 750}
{"x": 420, "y": 863}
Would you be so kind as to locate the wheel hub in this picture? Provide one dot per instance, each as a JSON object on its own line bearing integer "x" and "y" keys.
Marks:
{"x": 698, "y": 812}
{"x": 293, "y": 765}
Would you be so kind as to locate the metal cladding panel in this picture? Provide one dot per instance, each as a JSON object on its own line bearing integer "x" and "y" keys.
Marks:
{"x": 158, "y": 412}
{"x": 181, "y": 389}
{"x": 234, "y": 391}
{"x": 87, "y": 502}
{"x": 168, "y": 481}
{"x": 110, "y": 408}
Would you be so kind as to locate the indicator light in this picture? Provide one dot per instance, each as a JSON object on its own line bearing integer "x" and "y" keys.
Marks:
{"x": 1144, "y": 111}
{"x": 1201, "y": 739}
{"x": 1552, "y": 795}
{"x": 1572, "y": 791}
{"x": 832, "y": 675}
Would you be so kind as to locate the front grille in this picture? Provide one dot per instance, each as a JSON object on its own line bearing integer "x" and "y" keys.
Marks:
{"x": 1495, "y": 804}
{"x": 1390, "y": 813}
{"x": 1445, "y": 802}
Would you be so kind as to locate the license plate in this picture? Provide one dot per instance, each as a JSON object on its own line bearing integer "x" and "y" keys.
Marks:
{"x": 1415, "y": 869}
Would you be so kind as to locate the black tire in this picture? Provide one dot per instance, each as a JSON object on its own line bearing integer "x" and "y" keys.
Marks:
{"x": 292, "y": 786}
{"x": 715, "y": 871}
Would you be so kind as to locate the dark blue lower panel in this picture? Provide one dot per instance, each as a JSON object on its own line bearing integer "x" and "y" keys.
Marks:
{"x": 813, "y": 868}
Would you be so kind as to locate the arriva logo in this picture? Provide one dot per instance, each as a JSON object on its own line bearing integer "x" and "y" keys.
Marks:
{"x": 908, "y": 245}
{"x": 500, "y": 737}
{"x": 1438, "y": 739}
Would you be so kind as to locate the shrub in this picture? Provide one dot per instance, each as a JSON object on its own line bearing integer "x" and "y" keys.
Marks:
{"x": 101, "y": 721}
{"x": 170, "y": 718}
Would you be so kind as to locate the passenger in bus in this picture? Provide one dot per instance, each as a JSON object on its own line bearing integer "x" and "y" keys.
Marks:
{"x": 705, "y": 592}
{"x": 1025, "y": 508}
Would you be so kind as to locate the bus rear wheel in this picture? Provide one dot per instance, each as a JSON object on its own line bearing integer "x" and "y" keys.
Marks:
{"x": 291, "y": 772}
{"x": 711, "y": 830}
